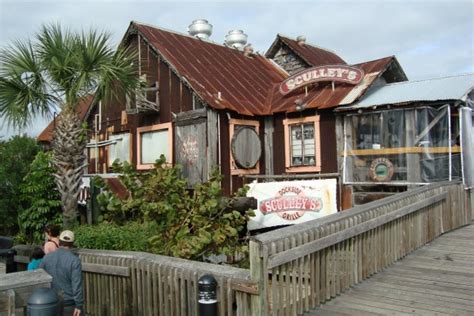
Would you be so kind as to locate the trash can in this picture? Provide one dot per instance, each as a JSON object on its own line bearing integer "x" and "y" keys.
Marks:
{"x": 43, "y": 302}
{"x": 7, "y": 254}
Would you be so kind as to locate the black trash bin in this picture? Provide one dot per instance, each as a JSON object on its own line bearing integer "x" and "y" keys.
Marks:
{"x": 7, "y": 254}
{"x": 43, "y": 302}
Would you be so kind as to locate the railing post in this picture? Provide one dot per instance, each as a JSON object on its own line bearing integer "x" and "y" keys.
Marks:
{"x": 258, "y": 273}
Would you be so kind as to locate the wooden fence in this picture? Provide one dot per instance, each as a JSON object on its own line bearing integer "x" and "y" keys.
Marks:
{"x": 292, "y": 269}
{"x": 134, "y": 283}
{"x": 301, "y": 266}
{"x": 16, "y": 288}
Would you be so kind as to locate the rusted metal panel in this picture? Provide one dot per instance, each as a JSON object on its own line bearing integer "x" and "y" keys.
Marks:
{"x": 82, "y": 108}
{"x": 278, "y": 145}
{"x": 224, "y": 148}
{"x": 175, "y": 95}
{"x": 190, "y": 147}
{"x": 226, "y": 79}
{"x": 165, "y": 112}
{"x": 327, "y": 129}
{"x": 311, "y": 54}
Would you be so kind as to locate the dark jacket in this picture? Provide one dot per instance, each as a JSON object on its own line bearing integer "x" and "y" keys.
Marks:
{"x": 66, "y": 270}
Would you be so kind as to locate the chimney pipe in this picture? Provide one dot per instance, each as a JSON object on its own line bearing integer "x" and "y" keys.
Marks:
{"x": 301, "y": 40}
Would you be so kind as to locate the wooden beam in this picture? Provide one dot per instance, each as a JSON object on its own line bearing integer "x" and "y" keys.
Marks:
{"x": 106, "y": 269}
{"x": 430, "y": 126}
{"x": 322, "y": 243}
{"x": 401, "y": 150}
{"x": 250, "y": 287}
{"x": 24, "y": 279}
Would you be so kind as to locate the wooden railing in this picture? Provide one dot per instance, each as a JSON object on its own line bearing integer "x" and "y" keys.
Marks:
{"x": 15, "y": 289}
{"x": 298, "y": 267}
{"x": 134, "y": 283}
{"x": 293, "y": 269}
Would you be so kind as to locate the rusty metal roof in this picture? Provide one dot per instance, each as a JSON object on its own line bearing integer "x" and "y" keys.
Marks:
{"x": 226, "y": 79}
{"x": 324, "y": 97}
{"x": 223, "y": 77}
{"x": 311, "y": 54}
{"x": 83, "y": 106}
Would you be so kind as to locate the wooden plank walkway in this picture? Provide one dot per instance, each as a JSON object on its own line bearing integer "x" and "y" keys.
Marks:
{"x": 437, "y": 279}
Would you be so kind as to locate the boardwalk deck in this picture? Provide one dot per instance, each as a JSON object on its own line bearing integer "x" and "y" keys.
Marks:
{"x": 437, "y": 279}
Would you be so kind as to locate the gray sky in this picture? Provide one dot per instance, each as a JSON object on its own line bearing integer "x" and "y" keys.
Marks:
{"x": 430, "y": 38}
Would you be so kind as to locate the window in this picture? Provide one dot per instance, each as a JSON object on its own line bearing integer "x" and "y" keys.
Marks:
{"x": 302, "y": 144}
{"x": 246, "y": 148}
{"x": 154, "y": 141}
{"x": 119, "y": 149}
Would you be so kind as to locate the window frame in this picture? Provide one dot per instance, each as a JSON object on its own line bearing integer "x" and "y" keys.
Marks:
{"x": 109, "y": 162}
{"x": 234, "y": 169}
{"x": 287, "y": 123}
{"x": 154, "y": 128}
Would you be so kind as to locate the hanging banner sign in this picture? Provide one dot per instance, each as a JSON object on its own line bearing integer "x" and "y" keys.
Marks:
{"x": 291, "y": 202}
{"x": 335, "y": 73}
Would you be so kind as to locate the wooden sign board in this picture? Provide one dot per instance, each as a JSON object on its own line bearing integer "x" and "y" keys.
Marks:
{"x": 334, "y": 73}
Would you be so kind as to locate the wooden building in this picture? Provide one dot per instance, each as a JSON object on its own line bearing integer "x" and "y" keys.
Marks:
{"x": 209, "y": 105}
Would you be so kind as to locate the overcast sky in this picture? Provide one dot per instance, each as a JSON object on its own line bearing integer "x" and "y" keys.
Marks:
{"x": 430, "y": 38}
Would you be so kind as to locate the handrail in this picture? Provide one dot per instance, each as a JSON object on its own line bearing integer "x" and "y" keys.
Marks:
{"x": 357, "y": 210}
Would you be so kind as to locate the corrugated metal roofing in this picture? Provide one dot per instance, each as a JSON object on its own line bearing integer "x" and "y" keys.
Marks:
{"x": 82, "y": 108}
{"x": 311, "y": 54}
{"x": 324, "y": 97}
{"x": 436, "y": 89}
{"x": 248, "y": 86}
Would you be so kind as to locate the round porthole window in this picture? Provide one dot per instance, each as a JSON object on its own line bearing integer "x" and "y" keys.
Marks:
{"x": 381, "y": 170}
{"x": 246, "y": 147}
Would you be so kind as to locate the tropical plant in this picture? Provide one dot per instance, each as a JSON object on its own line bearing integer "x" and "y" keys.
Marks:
{"x": 40, "y": 193}
{"x": 16, "y": 155}
{"x": 189, "y": 224}
{"x": 56, "y": 69}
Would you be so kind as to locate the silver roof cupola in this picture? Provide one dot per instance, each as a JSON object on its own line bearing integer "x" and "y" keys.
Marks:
{"x": 236, "y": 39}
{"x": 200, "y": 28}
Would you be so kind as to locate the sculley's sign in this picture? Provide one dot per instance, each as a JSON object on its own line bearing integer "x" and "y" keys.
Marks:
{"x": 336, "y": 73}
{"x": 291, "y": 202}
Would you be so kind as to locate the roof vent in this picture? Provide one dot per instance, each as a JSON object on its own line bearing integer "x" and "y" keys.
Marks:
{"x": 248, "y": 50}
{"x": 236, "y": 39}
{"x": 200, "y": 28}
{"x": 301, "y": 40}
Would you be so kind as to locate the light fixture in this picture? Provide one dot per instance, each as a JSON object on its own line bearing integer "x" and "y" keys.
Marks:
{"x": 299, "y": 105}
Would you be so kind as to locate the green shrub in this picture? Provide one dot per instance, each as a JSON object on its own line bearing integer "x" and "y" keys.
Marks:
{"x": 189, "y": 224}
{"x": 40, "y": 193}
{"x": 132, "y": 237}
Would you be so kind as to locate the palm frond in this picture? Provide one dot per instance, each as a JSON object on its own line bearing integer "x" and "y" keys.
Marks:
{"x": 56, "y": 49}
{"x": 23, "y": 88}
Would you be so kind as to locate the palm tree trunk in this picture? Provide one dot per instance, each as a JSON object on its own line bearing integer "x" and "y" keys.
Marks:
{"x": 69, "y": 145}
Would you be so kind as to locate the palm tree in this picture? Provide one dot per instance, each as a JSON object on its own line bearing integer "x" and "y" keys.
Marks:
{"x": 55, "y": 70}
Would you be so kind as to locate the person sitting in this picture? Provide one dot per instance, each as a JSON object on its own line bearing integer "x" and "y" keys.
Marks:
{"x": 65, "y": 268}
{"x": 52, "y": 242}
{"x": 37, "y": 257}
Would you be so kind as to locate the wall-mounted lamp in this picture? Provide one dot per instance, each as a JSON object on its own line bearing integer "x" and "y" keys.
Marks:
{"x": 300, "y": 106}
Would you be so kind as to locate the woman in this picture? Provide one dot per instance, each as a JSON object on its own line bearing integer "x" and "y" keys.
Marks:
{"x": 36, "y": 256}
{"x": 52, "y": 238}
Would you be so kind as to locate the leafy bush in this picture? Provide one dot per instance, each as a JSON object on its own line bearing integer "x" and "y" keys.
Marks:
{"x": 132, "y": 237}
{"x": 16, "y": 155}
{"x": 39, "y": 191}
{"x": 189, "y": 224}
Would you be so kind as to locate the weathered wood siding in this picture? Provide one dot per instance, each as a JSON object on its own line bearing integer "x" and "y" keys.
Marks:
{"x": 190, "y": 145}
{"x": 174, "y": 97}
